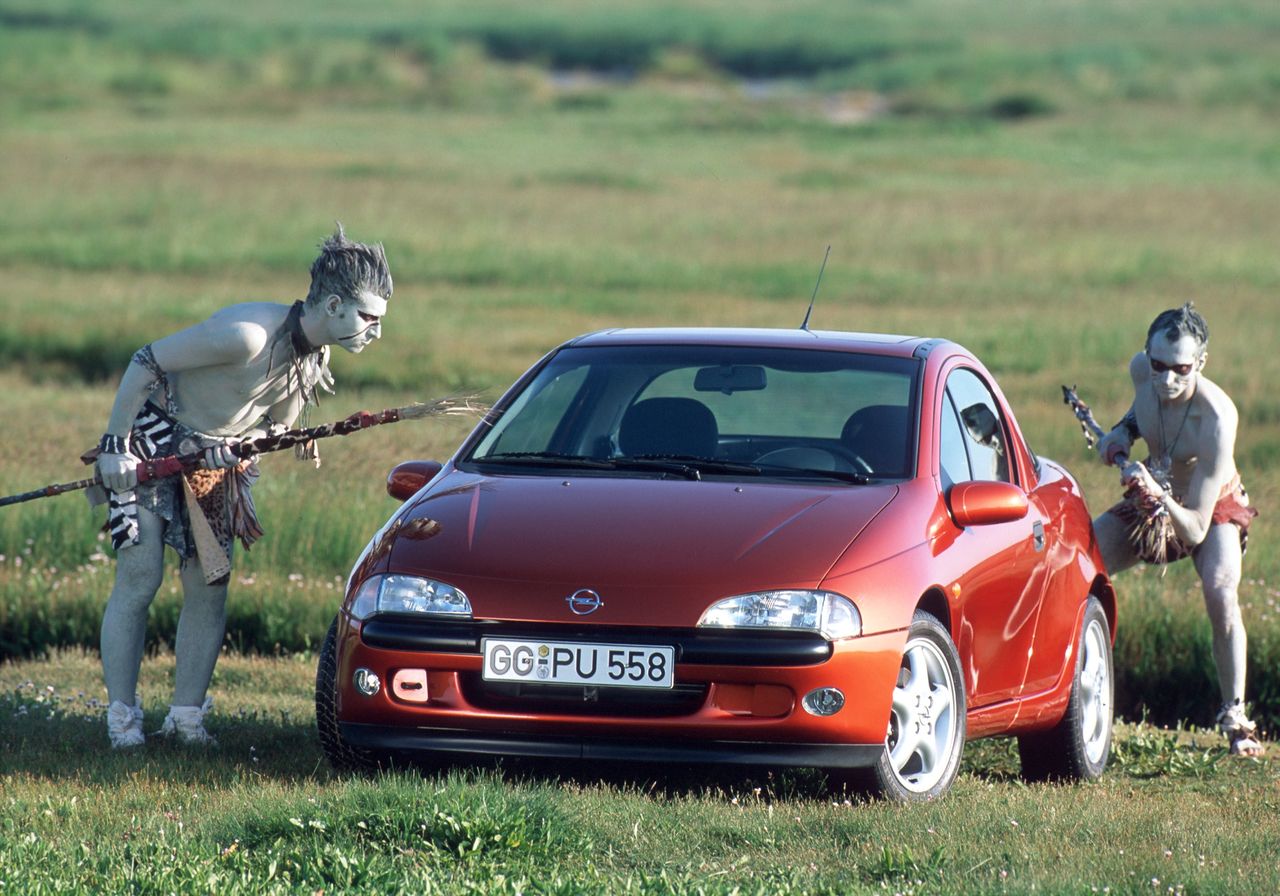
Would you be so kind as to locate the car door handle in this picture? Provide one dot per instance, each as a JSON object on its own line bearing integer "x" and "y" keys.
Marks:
{"x": 1037, "y": 535}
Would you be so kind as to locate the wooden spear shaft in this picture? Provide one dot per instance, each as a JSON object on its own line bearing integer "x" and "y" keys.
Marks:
{"x": 171, "y": 465}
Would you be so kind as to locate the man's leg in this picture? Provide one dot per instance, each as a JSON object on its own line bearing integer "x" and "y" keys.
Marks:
{"x": 1113, "y": 540}
{"x": 1218, "y": 561}
{"x": 139, "y": 571}
{"x": 200, "y": 628}
{"x": 201, "y": 625}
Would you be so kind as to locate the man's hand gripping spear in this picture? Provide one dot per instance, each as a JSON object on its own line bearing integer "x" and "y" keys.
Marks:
{"x": 1153, "y": 530}
{"x": 160, "y": 467}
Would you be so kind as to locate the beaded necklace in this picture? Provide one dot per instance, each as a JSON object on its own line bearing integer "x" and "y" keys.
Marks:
{"x": 1161, "y": 468}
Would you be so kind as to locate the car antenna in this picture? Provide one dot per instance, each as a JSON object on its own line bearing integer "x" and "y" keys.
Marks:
{"x": 805, "y": 326}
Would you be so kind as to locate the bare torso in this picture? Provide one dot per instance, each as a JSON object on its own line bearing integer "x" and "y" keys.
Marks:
{"x": 1196, "y": 435}
{"x": 225, "y": 373}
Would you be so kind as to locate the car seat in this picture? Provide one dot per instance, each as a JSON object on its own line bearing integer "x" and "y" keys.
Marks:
{"x": 669, "y": 426}
{"x": 878, "y": 434}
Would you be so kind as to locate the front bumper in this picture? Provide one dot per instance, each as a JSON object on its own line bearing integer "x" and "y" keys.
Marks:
{"x": 390, "y": 738}
{"x": 737, "y": 697}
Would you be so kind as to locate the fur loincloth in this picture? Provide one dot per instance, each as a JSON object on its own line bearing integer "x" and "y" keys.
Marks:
{"x": 1232, "y": 507}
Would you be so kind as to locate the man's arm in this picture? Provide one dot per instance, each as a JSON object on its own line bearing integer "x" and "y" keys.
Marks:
{"x": 1119, "y": 441}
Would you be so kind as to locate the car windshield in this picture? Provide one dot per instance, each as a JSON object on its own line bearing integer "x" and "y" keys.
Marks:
{"x": 695, "y": 411}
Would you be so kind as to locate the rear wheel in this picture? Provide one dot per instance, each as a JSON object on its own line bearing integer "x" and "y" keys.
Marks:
{"x": 1077, "y": 748}
{"x": 341, "y": 755}
{"x": 927, "y": 723}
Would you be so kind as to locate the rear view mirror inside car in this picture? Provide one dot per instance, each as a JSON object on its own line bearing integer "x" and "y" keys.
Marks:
{"x": 730, "y": 378}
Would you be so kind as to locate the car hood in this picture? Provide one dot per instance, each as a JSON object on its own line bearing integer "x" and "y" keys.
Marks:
{"x": 641, "y": 535}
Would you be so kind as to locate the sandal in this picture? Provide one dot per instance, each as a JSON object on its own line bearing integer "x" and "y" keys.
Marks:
{"x": 1240, "y": 731}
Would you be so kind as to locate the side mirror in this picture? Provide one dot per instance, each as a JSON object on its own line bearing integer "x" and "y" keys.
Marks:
{"x": 986, "y": 503}
{"x": 405, "y": 479}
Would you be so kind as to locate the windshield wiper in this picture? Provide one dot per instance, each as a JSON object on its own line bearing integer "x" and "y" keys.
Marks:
{"x": 545, "y": 459}
{"x": 688, "y": 464}
{"x": 840, "y": 475}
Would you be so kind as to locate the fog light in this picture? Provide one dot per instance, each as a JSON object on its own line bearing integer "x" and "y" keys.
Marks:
{"x": 823, "y": 701}
{"x": 366, "y": 681}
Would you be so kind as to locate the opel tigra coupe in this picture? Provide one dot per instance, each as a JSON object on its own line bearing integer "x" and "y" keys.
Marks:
{"x": 763, "y": 547}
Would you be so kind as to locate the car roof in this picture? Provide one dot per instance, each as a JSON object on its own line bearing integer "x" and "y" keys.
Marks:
{"x": 830, "y": 340}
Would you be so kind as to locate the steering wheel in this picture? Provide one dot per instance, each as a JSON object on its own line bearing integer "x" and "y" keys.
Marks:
{"x": 806, "y": 457}
{"x": 853, "y": 458}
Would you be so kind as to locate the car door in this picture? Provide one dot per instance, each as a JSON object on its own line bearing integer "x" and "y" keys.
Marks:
{"x": 1001, "y": 578}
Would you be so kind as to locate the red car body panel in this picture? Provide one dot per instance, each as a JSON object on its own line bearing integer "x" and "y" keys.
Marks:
{"x": 522, "y": 541}
{"x": 660, "y": 552}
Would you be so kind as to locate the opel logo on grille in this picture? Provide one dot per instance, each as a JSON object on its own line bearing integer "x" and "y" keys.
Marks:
{"x": 584, "y": 601}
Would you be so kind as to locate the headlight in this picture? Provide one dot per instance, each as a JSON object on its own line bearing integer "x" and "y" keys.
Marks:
{"x": 409, "y": 594}
{"x": 831, "y": 615}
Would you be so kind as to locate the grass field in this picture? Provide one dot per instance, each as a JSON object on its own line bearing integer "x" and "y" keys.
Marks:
{"x": 1035, "y": 181}
{"x": 263, "y": 814}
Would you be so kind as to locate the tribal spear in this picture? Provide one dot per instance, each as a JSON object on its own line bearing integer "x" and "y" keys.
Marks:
{"x": 1092, "y": 431}
{"x": 171, "y": 465}
{"x": 1153, "y": 530}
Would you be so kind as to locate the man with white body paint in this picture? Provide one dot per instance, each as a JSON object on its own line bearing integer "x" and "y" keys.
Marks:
{"x": 1189, "y": 424}
{"x": 248, "y": 370}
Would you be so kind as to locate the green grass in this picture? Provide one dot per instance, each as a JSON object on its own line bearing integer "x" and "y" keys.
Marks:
{"x": 264, "y": 814}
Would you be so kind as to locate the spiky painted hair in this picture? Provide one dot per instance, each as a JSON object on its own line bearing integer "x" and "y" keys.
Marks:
{"x": 1178, "y": 322}
{"x": 346, "y": 268}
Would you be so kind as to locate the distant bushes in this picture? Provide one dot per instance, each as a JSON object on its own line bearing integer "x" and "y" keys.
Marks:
{"x": 86, "y": 355}
{"x": 40, "y": 613}
{"x": 1002, "y": 63}
{"x": 1163, "y": 659}
{"x": 609, "y": 46}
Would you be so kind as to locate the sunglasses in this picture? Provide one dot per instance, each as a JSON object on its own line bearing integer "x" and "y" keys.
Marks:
{"x": 1179, "y": 369}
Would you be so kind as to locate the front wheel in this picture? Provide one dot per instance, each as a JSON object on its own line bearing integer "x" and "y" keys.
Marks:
{"x": 926, "y": 729}
{"x": 1077, "y": 748}
{"x": 341, "y": 755}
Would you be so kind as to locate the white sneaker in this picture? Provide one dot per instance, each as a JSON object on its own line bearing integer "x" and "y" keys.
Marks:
{"x": 187, "y": 723}
{"x": 124, "y": 725}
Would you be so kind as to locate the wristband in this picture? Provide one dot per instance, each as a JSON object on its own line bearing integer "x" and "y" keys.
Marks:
{"x": 113, "y": 444}
{"x": 1130, "y": 423}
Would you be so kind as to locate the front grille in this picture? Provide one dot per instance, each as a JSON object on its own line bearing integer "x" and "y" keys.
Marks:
{"x": 577, "y": 700}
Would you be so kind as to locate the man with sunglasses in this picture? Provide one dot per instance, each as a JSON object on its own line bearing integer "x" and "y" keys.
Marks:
{"x": 1190, "y": 486}
{"x": 249, "y": 370}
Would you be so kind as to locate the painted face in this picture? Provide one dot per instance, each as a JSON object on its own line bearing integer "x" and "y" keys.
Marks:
{"x": 355, "y": 322}
{"x": 1174, "y": 364}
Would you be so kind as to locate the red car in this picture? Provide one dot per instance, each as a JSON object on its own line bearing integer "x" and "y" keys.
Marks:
{"x": 766, "y": 547}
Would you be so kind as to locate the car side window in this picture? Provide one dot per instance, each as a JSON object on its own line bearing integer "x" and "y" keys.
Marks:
{"x": 953, "y": 460}
{"x": 982, "y": 432}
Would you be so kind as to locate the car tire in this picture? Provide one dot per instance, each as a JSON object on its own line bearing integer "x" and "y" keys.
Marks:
{"x": 926, "y": 731}
{"x": 1077, "y": 748}
{"x": 341, "y": 755}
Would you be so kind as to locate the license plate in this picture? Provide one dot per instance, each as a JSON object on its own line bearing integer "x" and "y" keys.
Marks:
{"x": 563, "y": 662}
